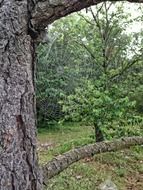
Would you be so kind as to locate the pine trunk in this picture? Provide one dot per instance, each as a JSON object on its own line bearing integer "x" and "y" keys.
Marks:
{"x": 18, "y": 160}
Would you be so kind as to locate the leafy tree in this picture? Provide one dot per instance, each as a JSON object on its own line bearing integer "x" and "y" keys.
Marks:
{"x": 95, "y": 106}
{"x": 82, "y": 57}
{"x": 108, "y": 71}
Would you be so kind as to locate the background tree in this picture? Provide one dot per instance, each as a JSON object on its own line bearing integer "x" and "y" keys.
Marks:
{"x": 100, "y": 56}
{"x": 97, "y": 107}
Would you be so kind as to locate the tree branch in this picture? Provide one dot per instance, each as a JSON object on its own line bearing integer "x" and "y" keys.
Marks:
{"x": 89, "y": 52}
{"x": 126, "y": 68}
{"x": 61, "y": 162}
{"x": 86, "y": 19}
{"x": 47, "y": 11}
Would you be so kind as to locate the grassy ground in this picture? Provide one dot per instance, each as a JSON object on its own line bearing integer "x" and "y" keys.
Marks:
{"x": 125, "y": 168}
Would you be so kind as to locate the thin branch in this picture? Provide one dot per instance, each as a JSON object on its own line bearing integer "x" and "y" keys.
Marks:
{"x": 88, "y": 21}
{"x": 125, "y": 68}
{"x": 96, "y": 20}
{"x": 87, "y": 49}
{"x": 90, "y": 52}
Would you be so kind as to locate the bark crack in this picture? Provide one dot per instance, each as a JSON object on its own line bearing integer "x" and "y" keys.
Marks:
{"x": 12, "y": 180}
{"x": 1, "y": 3}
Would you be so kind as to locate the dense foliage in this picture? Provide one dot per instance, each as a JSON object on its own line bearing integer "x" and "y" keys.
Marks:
{"x": 91, "y": 70}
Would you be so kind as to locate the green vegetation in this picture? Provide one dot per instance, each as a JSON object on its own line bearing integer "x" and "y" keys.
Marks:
{"x": 64, "y": 138}
{"x": 90, "y": 87}
{"x": 91, "y": 72}
{"x": 124, "y": 167}
{"x": 95, "y": 106}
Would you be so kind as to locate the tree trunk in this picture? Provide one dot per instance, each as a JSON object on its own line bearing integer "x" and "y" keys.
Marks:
{"x": 18, "y": 159}
{"x": 98, "y": 133}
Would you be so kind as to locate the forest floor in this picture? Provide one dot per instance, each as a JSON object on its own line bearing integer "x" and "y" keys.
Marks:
{"x": 124, "y": 168}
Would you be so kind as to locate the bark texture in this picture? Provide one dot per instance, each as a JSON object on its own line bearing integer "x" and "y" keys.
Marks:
{"x": 18, "y": 159}
{"x": 47, "y": 11}
{"x": 62, "y": 162}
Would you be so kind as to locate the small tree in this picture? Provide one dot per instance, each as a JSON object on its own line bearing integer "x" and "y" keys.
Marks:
{"x": 95, "y": 106}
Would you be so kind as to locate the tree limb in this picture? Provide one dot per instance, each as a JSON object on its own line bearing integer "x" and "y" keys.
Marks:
{"x": 61, "y": 162}
{"x": 47, "y": 11}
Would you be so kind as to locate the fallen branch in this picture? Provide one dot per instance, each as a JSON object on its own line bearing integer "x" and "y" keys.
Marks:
{"x": 61, "y": 162}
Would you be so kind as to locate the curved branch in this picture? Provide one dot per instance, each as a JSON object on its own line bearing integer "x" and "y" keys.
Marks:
{"x": 47, "y": 11}
{"x": 63, "y": 161}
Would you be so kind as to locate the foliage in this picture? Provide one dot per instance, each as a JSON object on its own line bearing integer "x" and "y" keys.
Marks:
{"x": 91, "y": 69}
{"x": 94, "y": 105}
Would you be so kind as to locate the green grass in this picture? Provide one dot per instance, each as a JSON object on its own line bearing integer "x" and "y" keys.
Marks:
{"x": 124, "y": 167}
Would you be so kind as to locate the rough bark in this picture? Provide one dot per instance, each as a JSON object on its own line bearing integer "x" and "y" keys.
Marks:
{"x": 47, "y": 11}
{"x": 18, "y": 159}
{"x": 62, "y": 162}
